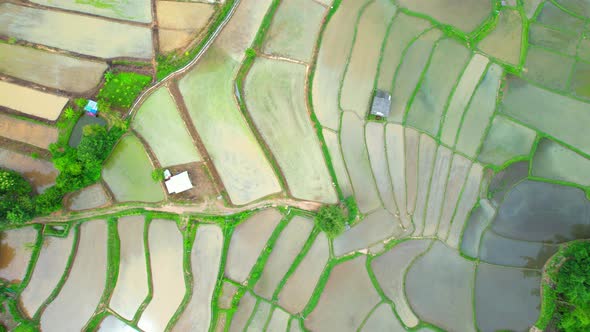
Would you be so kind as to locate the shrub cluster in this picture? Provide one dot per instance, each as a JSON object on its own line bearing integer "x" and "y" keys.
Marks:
{"x": 333, "y": 219}
{"x": 573, "y": 289}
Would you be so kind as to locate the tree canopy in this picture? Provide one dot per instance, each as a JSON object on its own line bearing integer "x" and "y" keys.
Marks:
{"x": 573, "y": 288}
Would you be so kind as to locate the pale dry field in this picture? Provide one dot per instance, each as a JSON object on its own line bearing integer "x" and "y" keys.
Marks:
{"x": 31, "y": 102}
{"x": 29, "y": 132}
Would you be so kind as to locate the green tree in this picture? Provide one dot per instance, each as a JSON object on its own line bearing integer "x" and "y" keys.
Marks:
{"x": 157, "y": 175}
{"x": 16, "y": 198}
{"x": 573, "y": 288}
{"x": 331, "y": 220}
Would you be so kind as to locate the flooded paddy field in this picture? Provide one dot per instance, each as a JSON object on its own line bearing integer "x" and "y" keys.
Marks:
{"x": 51, "y": 69}
{"x": 72, "y": 309}
{"x": 208, "y": 87}
{"x": 48, "y": 270}
{"x": 160, "y": 124}
{"x": 274, "y": 94}
{"x": 165, "y": 247}
{"x": 75, "y": 33}
{"x": 88, "y": 198}
{"x": 133, "y": 10}
{"x": 474, "y": 180}
{"x": 127, "y": 172}
{"x": 206, "y": 257}
{"x": 16, "y": 248}
{"x": 132, "y": 281}
{"x": 294, "y": 29}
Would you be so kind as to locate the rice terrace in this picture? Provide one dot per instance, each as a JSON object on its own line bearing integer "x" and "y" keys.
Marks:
{"x": 294, "y": 165}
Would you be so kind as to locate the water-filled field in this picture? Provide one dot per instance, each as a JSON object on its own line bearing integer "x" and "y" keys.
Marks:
{"x": 51, "y": 69}
{"x": 460, "y": 197}
{"x": 128, "y": 170}
{"x": 76, "y": 33}
{"x": 160, "y": 124}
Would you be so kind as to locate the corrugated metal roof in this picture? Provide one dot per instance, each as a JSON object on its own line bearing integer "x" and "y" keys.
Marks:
{"x": 381, "y": 104}
{"x": 179, "y": 183}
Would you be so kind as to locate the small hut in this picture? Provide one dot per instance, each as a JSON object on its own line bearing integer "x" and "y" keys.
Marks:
{"x": 179, "y": 183}
{"x": 381, "y": 104}
{"x": 91, "y": 108}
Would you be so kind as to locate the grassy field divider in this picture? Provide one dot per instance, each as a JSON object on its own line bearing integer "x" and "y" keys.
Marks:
{"x": 256, "y": 272}
{"x": 35, "y": 248}
{"x": 319, "y": 289}
{"x": 228, "y": 230}
{"x": 296, "y": 262}
{"x": 148, "y": 263}
{"x": 112, "y": 272}
{"x": 188, "y": 235}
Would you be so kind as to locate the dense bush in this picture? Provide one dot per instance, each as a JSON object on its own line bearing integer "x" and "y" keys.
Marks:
{"x": 573, "y": 288}
{"x": 331, "y": 219}
{"x": 121, "y": 89}
{"x": 81, "y": 166}
{"x": 16, "y": 198}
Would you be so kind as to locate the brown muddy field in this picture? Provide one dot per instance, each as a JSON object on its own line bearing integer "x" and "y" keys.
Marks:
{"x": 27, "y": 131}
{"x": 31, "y": 102}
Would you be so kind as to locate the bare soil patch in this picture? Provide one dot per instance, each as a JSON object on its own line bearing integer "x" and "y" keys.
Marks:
{"x": 27, "y": 131}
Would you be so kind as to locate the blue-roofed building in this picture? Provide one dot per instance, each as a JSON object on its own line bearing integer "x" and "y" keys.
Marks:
{"x": 91, "y": 108}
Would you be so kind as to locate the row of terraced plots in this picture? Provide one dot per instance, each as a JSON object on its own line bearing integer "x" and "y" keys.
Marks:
{"x": 52, "y": 52}
{"x": 231, "y": 125}
{"x": 478, "y": 175}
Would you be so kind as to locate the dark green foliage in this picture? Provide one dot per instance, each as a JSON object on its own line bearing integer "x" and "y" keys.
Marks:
{"x": 81, "y": 103}
{"x": 158, "y": 175}
{"x": 35, "y": 155}
{"x": 26, "y": 327}
{"x": 331, "y": 219}
{"x": 250, "y": 53}
{"x": 78, "y": 167}
{"x": 16, "y": 198}
{"x": 81, "y": 166}
{"x": 49, "y": 201}
{"x": 121, "y": 89}
{"x": 573, "y": 288}
{"x": 353, "y": 210}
